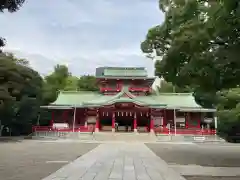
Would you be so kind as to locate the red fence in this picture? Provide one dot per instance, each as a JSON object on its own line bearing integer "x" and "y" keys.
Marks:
{"x": 185, "y": 131}
{"x": 51, "y": 129}
{"x": 157, "y": 130}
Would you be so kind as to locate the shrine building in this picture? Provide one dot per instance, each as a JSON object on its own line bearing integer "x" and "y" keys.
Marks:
{"x": 125, "y": 99}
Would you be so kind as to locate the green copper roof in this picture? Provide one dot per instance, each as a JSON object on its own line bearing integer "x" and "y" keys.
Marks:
{"x": 180, "y": 101}
{"x": 129, "y": 77}
{"x": 121, "y": 72}
{"x": 75, "y": 98}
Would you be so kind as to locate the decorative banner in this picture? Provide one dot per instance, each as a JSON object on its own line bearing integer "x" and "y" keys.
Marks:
{"x": 122, "y": 113}
{"x": 103, "y": 114}
{"x": 107, "y": 113}
{"x": 141, "y": 114}
{"x": 126, "y": 113}
{"x": 130, "y": 113}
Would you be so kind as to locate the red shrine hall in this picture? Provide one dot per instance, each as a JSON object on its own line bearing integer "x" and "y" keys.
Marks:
{"x": 126, "y": 102}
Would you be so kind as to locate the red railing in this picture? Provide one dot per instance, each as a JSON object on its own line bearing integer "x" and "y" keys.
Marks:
{"x": 185, "y": 131}
{"x": 51, "y": 129}
{"x": 103, "y": 89}
{"x": 139, "y": 89}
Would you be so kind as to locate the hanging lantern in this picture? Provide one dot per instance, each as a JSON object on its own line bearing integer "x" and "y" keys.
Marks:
{"x": 135, "y": 115}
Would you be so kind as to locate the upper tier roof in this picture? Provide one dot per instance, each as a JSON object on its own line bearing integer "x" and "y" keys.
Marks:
{"x": 139, "y": 72}
{"x": 180, "y": 101}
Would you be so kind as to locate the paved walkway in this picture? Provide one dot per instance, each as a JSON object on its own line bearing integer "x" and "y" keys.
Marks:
{"x": 115, "y": 161}
{"x": 195, "y": 170}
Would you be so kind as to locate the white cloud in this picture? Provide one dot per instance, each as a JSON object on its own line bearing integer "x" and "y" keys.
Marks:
{"x": 84, "y": 34}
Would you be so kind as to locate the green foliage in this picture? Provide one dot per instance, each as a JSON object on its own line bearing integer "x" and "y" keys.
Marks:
{"x": 229, "y": 114}
{"x": 87, "y": 83}
{"x": 20, "y": 92}
{"x": 11, "y": 6}
{"x": 199, "y": 45}
{"x": 72, "y": 84}
{"x": 168, "y": 87}
{"x": 61, "y": 80}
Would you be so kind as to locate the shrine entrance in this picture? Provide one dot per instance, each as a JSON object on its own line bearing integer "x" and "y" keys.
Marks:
{"x": 105, "y": 121}
{"x": 124, "y": 121}
{"x": 143, "y": 122}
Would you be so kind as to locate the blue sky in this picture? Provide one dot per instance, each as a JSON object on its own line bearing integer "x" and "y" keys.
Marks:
{"x": 82, "y": 34}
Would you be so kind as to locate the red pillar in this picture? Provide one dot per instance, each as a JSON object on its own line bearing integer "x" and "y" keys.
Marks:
{"x": 113, "y": 122}
{"x": 64, "y": 116}
{"x": 151, "y": 125}
{"x": 199, "y": 121}
{"x": 52, "y": 120}
{"x": 164, "y": 118}
{"x": 186, "y": 119}
{"x": 97, "y": 123}
{"x": 135, "y": 123}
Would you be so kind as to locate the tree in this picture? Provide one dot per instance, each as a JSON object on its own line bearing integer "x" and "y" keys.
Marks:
{"x": 198, "y": 42}
{"x": 72, "y": 84}
{"x": 168, "y": 87}
{"x": 20, "y": 88}
{"x": 62, "y": 80}
{"x": 54, "y": 83}
{"x": 199, "y": 45}
{"x": 11, "y": 6}
{"x": 88, "y": 83}
{"x": 229, "y": 114}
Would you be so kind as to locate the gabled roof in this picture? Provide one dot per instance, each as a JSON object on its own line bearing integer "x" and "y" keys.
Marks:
{"x": 180, "y": 101}
{"x": 123, "y": 96}
{"x": 121, "y": 71}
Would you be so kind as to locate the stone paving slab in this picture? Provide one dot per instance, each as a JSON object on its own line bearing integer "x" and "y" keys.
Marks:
{"x": 125, "y": 161}
{"x": 195, "y": 170}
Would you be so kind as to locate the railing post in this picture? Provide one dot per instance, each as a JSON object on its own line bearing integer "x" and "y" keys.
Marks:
{"x": 113, "y": 122}
{"x": 97, "y": 124}
{"x": 151, "y": 125}
{"x": 135, "y": 122}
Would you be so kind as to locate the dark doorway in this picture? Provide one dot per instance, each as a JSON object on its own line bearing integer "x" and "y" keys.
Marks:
{"x": 143, "y": 122}
{"x": 124, "y": 122}
{"x": 106, "y": 122}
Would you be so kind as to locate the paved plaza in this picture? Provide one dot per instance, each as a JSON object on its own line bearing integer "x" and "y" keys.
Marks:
{"x": 70, "y": 160}
{"x": 117, "y": 161}
{"x": 201, "y": 161}
{"x": 34, "y": 160}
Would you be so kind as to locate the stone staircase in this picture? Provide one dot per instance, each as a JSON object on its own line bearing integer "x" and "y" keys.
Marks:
{"x": 125, "y": 137}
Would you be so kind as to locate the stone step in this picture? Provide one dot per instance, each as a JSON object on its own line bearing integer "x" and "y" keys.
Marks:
{"x": 80, "y": 136}
{"x": 124, "y": 137}
{"x": 189, "y": 138}
{"x": 66, "y": 135}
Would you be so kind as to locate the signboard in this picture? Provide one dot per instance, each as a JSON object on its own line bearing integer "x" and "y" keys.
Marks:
{"x": 60, "y": 125}
{"x": 180, "y": 119}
